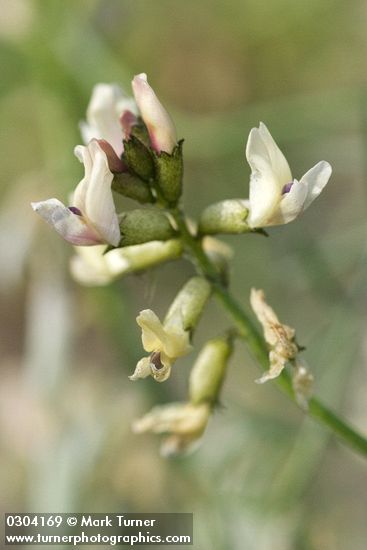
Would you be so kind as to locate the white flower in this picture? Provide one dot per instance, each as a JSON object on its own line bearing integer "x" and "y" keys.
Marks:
{"x": 110, "y": 115}
{"x": 164, "y": 341}
{"x": 92, "y": 266}
{"x": 275, "y": 197}
{"x": 92, "y": 218}
{"x": 279, "y": 337}
{"x": 160, "y": 126}
{"x": 184, "y": 422}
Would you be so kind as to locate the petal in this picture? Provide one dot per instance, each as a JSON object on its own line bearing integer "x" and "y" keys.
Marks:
{"x": 146, "y": 255}
{"x": 153, "y": 333}
{"x": 302, "y": 193}
{"x": 107, "y": 104}
{"x": 265, "y": 189}
{"x": 93, "y": 195}
{"x": 162, "y": 373}
{"x": 178, "y": 418}
{"x": 176, "y": 342}
{"x": 142, "y": 369}
{"x": 91, "y": 266}
{"x": 79, "y": 195}
{"x": 69, "y": 225}
{"x": 278, "y": 161}
{"x": 277, "y": 364}
{"x": 265, "y": 315}
{"x": 160, "y": 126}
{"x": 88, "y": 132}
{"x": 291, "y": 204}
{"x": 315, "y": 180}
{"x": 115, "y": 164}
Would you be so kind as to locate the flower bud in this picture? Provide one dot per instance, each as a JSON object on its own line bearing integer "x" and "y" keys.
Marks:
{"x": 227, "y": 216}
{"x": 93, "y": 266}
{"x": 189, "y": 303}
{"x": 143, "y": 225}
{"x": 208, "y": 372}
{"x": 160, "y": 126}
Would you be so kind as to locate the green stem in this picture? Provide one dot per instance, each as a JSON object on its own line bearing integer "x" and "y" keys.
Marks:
{"x": 255, "y": 341}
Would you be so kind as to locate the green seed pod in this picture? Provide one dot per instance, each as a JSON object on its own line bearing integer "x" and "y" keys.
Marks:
{"x": 143, "y": 225}
{"x": 131, "y": 186}
{"x": 190, "y": 302}
{"x": 227, "y": 216}
{"x": 208, "y": 372}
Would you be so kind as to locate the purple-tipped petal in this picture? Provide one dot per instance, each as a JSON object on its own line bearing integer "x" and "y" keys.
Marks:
{"x": 287, "y": 187}
{"x": 127, "y": 121}
{"x": 115, "y": 164}
{"x": 71, "y": 226}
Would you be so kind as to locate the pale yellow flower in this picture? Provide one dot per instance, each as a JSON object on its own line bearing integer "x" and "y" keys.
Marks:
{"x": 183, "y": 422}
{"x": 171, "y": 339}
{"x": 164, "y": 341}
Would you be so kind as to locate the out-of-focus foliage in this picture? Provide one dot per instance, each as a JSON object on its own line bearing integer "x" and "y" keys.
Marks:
{"x": 66, "y": 404}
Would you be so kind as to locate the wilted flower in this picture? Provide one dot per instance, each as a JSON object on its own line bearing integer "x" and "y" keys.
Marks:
{"x": 160, "y": 126}
{"x": 184, "y": 422}
{"x": 164, "y": 341}
{"x": 275, "y": 197}
{"x": 92, "y": 218}
{"x": 93, "y": 266}
{"x": 110, "y": 115}
{"x": 279, "y": 337}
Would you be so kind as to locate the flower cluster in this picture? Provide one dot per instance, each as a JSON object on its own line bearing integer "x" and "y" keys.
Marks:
{"x": 111, "y": 119}
{"x": 131, "y": 148}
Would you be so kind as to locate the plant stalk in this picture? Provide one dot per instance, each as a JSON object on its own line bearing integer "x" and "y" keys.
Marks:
{"x": 256, "y": 343}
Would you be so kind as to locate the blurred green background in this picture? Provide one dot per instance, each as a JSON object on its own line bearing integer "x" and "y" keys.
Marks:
{"x": 265, "y": 477}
